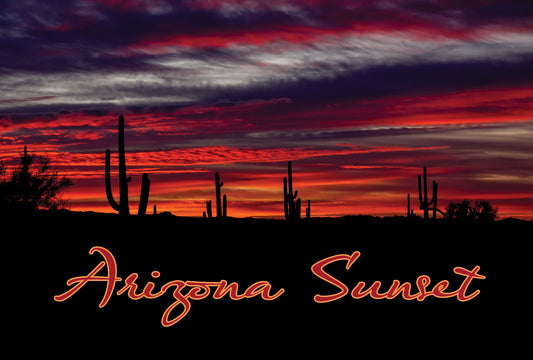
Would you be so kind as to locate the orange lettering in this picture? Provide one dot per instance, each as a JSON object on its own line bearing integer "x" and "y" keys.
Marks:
{"x": 110, "y": 279}
{"x": 470, "y": 275}
{"x": 318, "y": 270}
{"x": 198, "y": 290}
{"x": 422, "y": 284}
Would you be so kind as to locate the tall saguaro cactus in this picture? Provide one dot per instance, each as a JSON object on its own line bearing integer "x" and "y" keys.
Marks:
{"x": 123, "y": 206}
{"x": 291, "y": 205}
{"x": 425, "y": 203}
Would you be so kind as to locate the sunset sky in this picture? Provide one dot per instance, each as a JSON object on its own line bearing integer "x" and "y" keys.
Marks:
{"x": 359, "y": 95}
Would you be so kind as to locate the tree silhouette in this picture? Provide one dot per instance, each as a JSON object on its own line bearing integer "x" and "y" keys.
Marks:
{"x": 480, "y": 210}
{"x": 33, "y": 185}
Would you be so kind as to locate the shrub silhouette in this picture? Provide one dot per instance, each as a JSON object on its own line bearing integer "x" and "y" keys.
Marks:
{"x": 32, "y": 185}
{"x": 479, "y": 210}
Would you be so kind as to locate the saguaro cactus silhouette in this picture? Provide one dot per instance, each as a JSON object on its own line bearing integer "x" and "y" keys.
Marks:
{"x": 409, "y": 210}
{"x": 291, "y": 205}
{"x": 218, "y": 185}
{"x": 208, "y": 213}
{"x": 425, "y": 204}
{"x": 222, "y": 210}
{"x": 224, "y": 206}
{"x": 123, "y": 207}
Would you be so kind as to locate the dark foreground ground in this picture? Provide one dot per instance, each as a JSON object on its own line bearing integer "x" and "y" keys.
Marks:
{"x": 41, "y": 253}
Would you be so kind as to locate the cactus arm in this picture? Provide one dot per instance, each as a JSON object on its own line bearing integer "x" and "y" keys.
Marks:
{"x": 108, "y": 190}
{"x": 209, "y": 209}
{"x": 425, "y": 203}
{"x": 285, "y": 199}
{"x": 433, "y": 195}
{"x": 434, "y": 199}
{"x": 224, "y": 206}
{"x": 442, "y": 212}
{"x": 145, "y": 193}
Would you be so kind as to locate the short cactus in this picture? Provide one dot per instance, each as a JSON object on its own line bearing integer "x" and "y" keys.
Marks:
{"x": 425, "y": 204}
{"x": 208, "y": 213}
{"x": 221, "y": 204}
